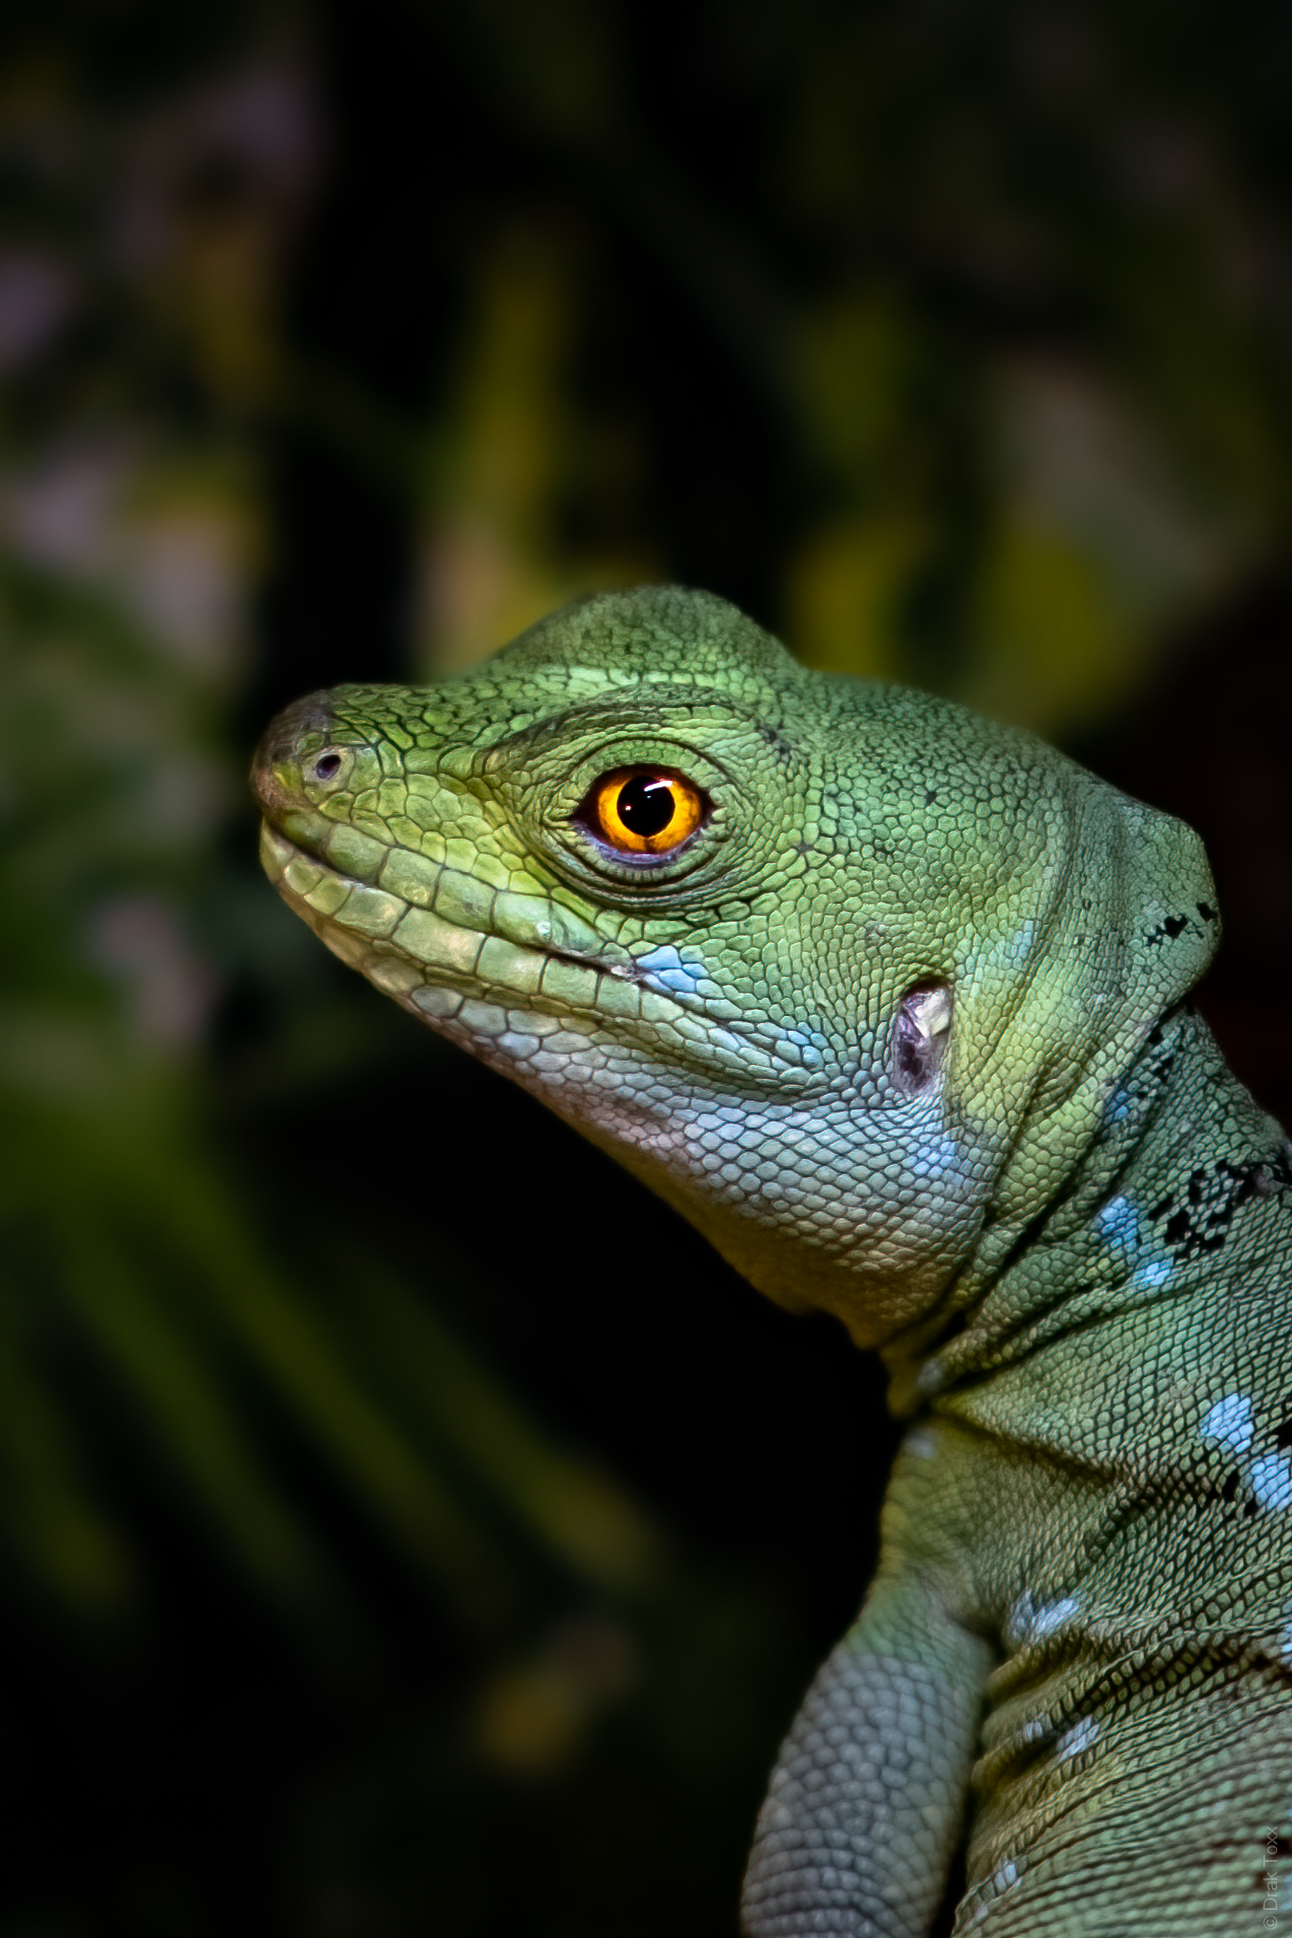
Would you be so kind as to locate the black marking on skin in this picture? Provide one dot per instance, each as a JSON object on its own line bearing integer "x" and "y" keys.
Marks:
{"x": 776, "y": 741}
{"x": 1283, "y": 1438}
{"x": 1207, "y": 913}
{"x": 1198, "y": 1219}
{"x": 1158, "y": 1070}
{"x": 1213, "y": 1496}
{"x": 1168, "y": 930}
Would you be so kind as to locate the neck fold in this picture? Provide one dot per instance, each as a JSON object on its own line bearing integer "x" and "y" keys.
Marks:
{"x": 1186, "y": 1177}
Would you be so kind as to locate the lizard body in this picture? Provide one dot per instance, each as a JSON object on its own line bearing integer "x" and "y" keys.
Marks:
{"x": 889, "y": 1000}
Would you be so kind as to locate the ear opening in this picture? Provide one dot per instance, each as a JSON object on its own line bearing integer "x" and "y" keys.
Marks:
{"x": 921, "y": 1032}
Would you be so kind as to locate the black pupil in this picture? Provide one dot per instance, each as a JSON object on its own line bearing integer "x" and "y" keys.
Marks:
{"x": 326, "y": 765}
{"x": 645, "y": 805}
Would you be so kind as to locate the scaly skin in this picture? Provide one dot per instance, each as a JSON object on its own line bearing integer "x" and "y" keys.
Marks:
{"x": 900, "y": 1027}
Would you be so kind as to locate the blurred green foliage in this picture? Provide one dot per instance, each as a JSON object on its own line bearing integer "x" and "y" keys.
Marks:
{"x": 953, "y": 342}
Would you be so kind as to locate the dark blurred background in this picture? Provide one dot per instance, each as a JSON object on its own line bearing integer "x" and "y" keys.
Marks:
{"x": 408, "y": 1527}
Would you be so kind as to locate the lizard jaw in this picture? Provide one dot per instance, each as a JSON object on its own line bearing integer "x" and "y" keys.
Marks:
{"x": 497, "y": 970}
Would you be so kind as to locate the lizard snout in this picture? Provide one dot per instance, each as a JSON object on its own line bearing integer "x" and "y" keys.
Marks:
{"x": 289, "y": 749}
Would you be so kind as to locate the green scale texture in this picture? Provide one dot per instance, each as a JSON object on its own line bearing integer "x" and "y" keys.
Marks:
{"x": 901, "y": 1028}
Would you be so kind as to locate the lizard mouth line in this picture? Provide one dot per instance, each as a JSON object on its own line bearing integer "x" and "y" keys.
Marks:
{"x": 436, "y": 933}
{"x": 442, "y": 929}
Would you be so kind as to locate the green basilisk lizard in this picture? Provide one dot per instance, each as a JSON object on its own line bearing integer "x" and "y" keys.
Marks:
{"x": 889, "y": 1000}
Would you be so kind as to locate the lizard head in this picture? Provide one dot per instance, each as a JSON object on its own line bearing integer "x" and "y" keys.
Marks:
{"x": 844, "y": 972}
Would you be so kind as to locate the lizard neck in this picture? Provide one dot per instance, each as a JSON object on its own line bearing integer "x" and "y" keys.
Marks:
{"x": 1186, "y": 1178}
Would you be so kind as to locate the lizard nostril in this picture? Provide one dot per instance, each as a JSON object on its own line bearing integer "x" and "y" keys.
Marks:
{"x": 275, "y": 775}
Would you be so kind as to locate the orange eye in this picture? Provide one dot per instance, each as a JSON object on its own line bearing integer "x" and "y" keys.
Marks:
{"x": 645, "y": 811}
